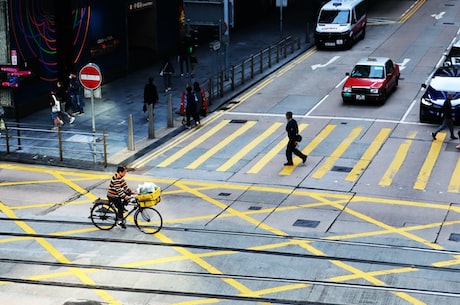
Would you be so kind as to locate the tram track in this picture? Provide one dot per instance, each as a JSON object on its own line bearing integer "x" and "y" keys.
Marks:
{"x": 196, "y": 276}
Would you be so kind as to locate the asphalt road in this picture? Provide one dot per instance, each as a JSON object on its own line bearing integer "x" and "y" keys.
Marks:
{"x": 371, "y": 218}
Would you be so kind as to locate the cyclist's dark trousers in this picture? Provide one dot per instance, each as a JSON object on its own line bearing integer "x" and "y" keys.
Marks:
{"x": 119, "y": 204}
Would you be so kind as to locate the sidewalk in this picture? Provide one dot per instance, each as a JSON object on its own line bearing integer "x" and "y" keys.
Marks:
{"x": 124, "y": 96}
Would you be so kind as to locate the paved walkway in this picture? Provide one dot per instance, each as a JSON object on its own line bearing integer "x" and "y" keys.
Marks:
{"x": 124, "y": 97}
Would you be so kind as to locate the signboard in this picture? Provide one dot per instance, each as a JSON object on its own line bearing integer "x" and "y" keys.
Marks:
{"x": 11, "y": 75}
{"x": 90, "y": 76}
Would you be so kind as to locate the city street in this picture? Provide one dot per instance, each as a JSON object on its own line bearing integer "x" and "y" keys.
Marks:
{"x": 372, "y": 217}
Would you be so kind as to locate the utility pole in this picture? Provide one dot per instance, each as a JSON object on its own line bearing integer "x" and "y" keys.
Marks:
{"x": 226, "y": 39}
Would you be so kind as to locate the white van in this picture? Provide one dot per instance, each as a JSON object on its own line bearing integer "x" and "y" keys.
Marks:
{"x": 340, "y": 23}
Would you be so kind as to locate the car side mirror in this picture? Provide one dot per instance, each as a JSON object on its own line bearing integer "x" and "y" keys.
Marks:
{"x": 347, "y": 73}
{"x": 424, "y": 86}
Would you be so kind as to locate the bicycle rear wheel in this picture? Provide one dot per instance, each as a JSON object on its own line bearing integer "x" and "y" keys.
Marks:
{"x": 148, "y": 220}
{"x": 103, "y": 216}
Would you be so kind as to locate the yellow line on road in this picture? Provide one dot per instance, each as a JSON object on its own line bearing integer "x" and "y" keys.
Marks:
{"x": 243, "y": 152}
{"x": 337, "y": 153}
{"x": 368, "y": 155}
{"x": 411, "y": 11}
{"x": 194, "y": 144}
{"x": 428, "y": 165}
{"x": 271, "y": 154}
{"x": 287, "y": 170}
{"x": 216, "y": 148}
{"x": 454, "y": 184}
{"x": 397, "y": 162}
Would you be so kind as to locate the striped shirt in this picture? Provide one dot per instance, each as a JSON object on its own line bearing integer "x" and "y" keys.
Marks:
{"x": 118, "y": 187}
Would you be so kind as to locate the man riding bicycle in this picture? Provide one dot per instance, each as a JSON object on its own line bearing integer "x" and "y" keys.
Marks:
{"x": 119, "y": 193}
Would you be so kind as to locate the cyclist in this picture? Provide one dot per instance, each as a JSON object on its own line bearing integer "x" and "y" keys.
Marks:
{"x": 119, "y": 193}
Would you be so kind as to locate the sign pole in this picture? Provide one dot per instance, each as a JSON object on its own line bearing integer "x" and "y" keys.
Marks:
{"x": 91, "y": 79}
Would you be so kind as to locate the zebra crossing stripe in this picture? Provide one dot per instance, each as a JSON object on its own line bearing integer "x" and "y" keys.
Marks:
{"x": 397, "y": 162}
{"x": 428, "y": 164}
{"x": 194, "y": 144}
{"x": 287, "y": 170}
{"x": 368, "y": 155}
{"x": 243, "y": 152}
{"x": 216, "y": 148}
{"x": 337, "y": 153}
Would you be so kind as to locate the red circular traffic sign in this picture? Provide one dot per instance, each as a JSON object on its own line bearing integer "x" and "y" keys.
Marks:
{"x": 90, "y": 76}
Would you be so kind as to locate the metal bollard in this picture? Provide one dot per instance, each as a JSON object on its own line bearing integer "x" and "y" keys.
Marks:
{"x": 170, "y": 112}
{"x": 151, "y": 125}
{"x": 130, "y": 133}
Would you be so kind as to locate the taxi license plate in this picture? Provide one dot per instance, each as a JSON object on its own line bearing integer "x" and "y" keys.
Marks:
{"x": 360, "y": 97}
{"x": 329, "y": 44}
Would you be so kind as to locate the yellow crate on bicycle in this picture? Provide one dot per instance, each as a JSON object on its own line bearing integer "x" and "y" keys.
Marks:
{"x": 151, "y": 198}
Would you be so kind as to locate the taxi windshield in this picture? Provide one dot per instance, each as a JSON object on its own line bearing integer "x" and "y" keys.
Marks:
{"x": 334, "y": 16}
{"x": 365, "y": 71}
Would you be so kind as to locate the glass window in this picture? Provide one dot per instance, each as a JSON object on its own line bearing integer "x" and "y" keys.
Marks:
{"x": 334, "y": 16}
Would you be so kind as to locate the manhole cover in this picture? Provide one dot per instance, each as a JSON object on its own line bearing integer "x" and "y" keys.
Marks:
{"x": 306, "y": 223}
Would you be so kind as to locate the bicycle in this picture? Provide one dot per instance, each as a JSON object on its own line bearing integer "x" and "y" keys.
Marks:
{"x": 147, "y": 219}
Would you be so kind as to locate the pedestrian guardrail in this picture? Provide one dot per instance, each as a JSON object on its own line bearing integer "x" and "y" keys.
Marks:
{"x": 248, "y": 68}
{"x": 37, "y": 140}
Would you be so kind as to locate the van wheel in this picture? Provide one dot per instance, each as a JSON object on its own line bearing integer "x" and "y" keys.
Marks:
{"x": 363, "y": 33}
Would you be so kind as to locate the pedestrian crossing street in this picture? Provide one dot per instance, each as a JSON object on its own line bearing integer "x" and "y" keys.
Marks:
{"x": 398, "y": 154}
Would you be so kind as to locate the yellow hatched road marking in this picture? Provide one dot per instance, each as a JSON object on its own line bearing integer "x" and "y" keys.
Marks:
{"x": 398, "y": 160}
{"x": 243, "y": 152}
{"x": 337, "y": 153}
{"x": 454, "y": 184}
{"x": 428, "y": 165}
{"x": 368, "y": 155}
{"x": 271, "y": 154}
{"x": 287, "y": 170}
{"x": 221, "y": 145}
{"x": 194, "y": 144}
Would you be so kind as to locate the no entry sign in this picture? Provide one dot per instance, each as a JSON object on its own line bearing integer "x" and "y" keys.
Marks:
{"x": 90, "y": 76}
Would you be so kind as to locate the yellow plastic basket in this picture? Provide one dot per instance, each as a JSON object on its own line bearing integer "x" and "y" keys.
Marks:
{"x": 150, "y": 199}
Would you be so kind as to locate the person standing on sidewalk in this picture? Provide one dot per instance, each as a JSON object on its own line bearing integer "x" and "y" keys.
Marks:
{"x": 166, "y": 71}
{"x": 150, "y": 95}
{"x": 447, "y": 119}
{"x": 293, "y": 134}
{"x": 75, "y": 94}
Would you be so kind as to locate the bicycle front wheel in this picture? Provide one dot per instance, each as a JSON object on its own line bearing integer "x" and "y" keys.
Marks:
{"x": 103, "y": 216}
{"x": 148, "y": 220}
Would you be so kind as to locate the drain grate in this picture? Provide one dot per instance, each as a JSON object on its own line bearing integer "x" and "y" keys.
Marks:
{"x": 342, "y": 169}
{"x": 238, "y": 121}
{"x": 225, "y": 194}
{"x": 454, "y": 237}
{"x": 254, "y": 208}
{"x": 306, "y": 223}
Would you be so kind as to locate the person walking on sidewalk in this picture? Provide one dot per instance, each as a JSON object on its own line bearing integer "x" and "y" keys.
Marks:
{"x": 447, "y": 119}
{"x": 166, "y": 71}
{"x": 293, "y": 134}
{"x": 55, "y": 110}
{"x": 75, "y": 94}
{"x": 62, "y": 96}
{"x": 119, "y": 193}
{"x": 150, "y": 95}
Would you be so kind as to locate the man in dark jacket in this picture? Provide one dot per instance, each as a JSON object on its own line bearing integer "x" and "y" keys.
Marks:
{"x": 150, "y": 94}
{"x": 293, "y": 134}
{"x": 448, "y": 119}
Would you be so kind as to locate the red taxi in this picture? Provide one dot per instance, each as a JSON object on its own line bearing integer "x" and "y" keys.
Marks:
{"x": 371, "y": 80}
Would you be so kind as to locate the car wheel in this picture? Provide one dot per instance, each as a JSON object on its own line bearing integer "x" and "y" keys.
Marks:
{"x": 422, "y": 117}
{"x": 363, "y": 33}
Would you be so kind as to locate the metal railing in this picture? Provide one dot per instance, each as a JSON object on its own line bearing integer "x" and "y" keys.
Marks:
{"x": 247, "y": 69}
{"x": 77, "y": 145}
